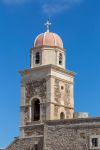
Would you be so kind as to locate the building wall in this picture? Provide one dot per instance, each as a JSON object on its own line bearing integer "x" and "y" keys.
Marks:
{"x": 70, "y": 134}
{"x": 46, "y": 83}
{"x": 74, "y": 134}
{"x": 26, "y": 144}
{"x": 55, "y": 78}
{"x": 62, "y": 100}
{"x": 48, "y": 55}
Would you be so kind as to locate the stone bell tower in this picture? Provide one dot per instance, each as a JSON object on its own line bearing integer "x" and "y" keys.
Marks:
{"x": 47, "y": 87}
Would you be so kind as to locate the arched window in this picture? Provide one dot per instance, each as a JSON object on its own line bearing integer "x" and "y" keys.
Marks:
{"x": 35, "y": 110}
{"x": 60, "y": 58}
{"x": 37, "y": 58}
{"x": 62, "y": 115}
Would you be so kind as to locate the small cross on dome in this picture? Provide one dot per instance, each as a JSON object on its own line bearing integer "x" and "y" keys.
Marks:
{"x": 48, "y": 24}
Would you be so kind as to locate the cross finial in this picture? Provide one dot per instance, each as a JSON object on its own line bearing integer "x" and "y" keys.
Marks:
{"x": 48, "y": 24}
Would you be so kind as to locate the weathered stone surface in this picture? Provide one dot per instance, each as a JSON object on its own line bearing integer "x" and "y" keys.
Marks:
{"x": 62, "y": 96}
{"x": 71, "y": 134}
{"x": 35, "y": 89}
{"x": 26, "y": 144}
{"x": 62, "y": 92}
{"x": 67, "y": 95}
{"x": 57, "y": 91}
{"x": 35, "y": 130}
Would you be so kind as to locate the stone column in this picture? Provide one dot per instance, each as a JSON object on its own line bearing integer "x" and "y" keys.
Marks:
{"x": 22, "y": 109}
{"x": 42, "y": 112}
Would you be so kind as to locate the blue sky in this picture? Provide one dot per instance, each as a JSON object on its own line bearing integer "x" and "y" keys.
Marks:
{"x": 78, "y": 24}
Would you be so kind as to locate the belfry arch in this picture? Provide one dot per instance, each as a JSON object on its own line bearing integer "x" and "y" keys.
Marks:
{"x": 35, "y": 109}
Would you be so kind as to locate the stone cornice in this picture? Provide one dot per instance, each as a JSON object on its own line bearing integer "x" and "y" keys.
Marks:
{"x": 60, "y": 105}
{"x": 33, "y": 124}
{"x": 68, "y": 72}
{"x": 71, "y": 123}
{"x": 22, "y": 107}
{"x": 63, "y": 80}
{"x": 45, "y": 47}
{"x": 30, "y": 137}
{"x": 51, "y": 66}
{"x": 78, "y": 125}
{"x": 87, "y": 122}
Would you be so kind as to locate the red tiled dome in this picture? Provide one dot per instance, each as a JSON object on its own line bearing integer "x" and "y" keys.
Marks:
{"x": 48, "y": 39}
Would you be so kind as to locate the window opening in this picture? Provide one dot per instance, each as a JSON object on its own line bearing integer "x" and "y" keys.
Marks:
{"x": 37, "y": 58}
{"x": 36, "y": 110}
{"x": 94, "y": 142}
{"x": 62, "y": 115}
{"x": 62, "y": 87}
{"x": 60, "y": 59}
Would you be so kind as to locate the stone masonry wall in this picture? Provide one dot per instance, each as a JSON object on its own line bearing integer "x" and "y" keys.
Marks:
{"x": 34, "y": 130}
{"x": 26, "y": 144}
{"x": 34, "y": 89}
{"x": 70, "y": 134}
{"x": 62, "y": 96}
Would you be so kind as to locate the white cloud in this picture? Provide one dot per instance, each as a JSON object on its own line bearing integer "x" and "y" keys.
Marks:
{"x": 49, "y": 7}
{"x": 12, "y": 2}
{"x": 55, "y": 6}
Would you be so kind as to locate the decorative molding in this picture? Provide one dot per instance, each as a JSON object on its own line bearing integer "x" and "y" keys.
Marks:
{"x": 61, "y": 105}
{"x": 30, "y": 137}
{"x": 45, "y": 47}
{"x": 35, "y": 123}
{"x": 46, "y": 103}
{"x": 60, "y": 79}
{"x": 51, "y": 66}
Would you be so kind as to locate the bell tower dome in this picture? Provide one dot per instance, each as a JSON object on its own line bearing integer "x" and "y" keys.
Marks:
{"x": 47, "y": 88}
{"x": 48, "y": 49}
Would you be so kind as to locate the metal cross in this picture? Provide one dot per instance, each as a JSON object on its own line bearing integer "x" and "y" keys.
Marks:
{"x": 48, "y": 24}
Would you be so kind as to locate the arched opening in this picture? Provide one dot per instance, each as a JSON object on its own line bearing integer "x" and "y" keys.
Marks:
{"x": 62, "y": 115}
{"x": 60, "y": 58}
{"x": 37, "y": 58}
{"x": 35, "y": 110}
{"x": 36, "y": 147}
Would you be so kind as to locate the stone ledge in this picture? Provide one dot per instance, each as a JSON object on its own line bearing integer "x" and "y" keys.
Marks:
{"x": 73, "y": 121}
{"x": 45, "y": 47}
{"x": 27, "y": 71}
{"x": 30, "y": 137}
{"x": 32, "y": 125}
